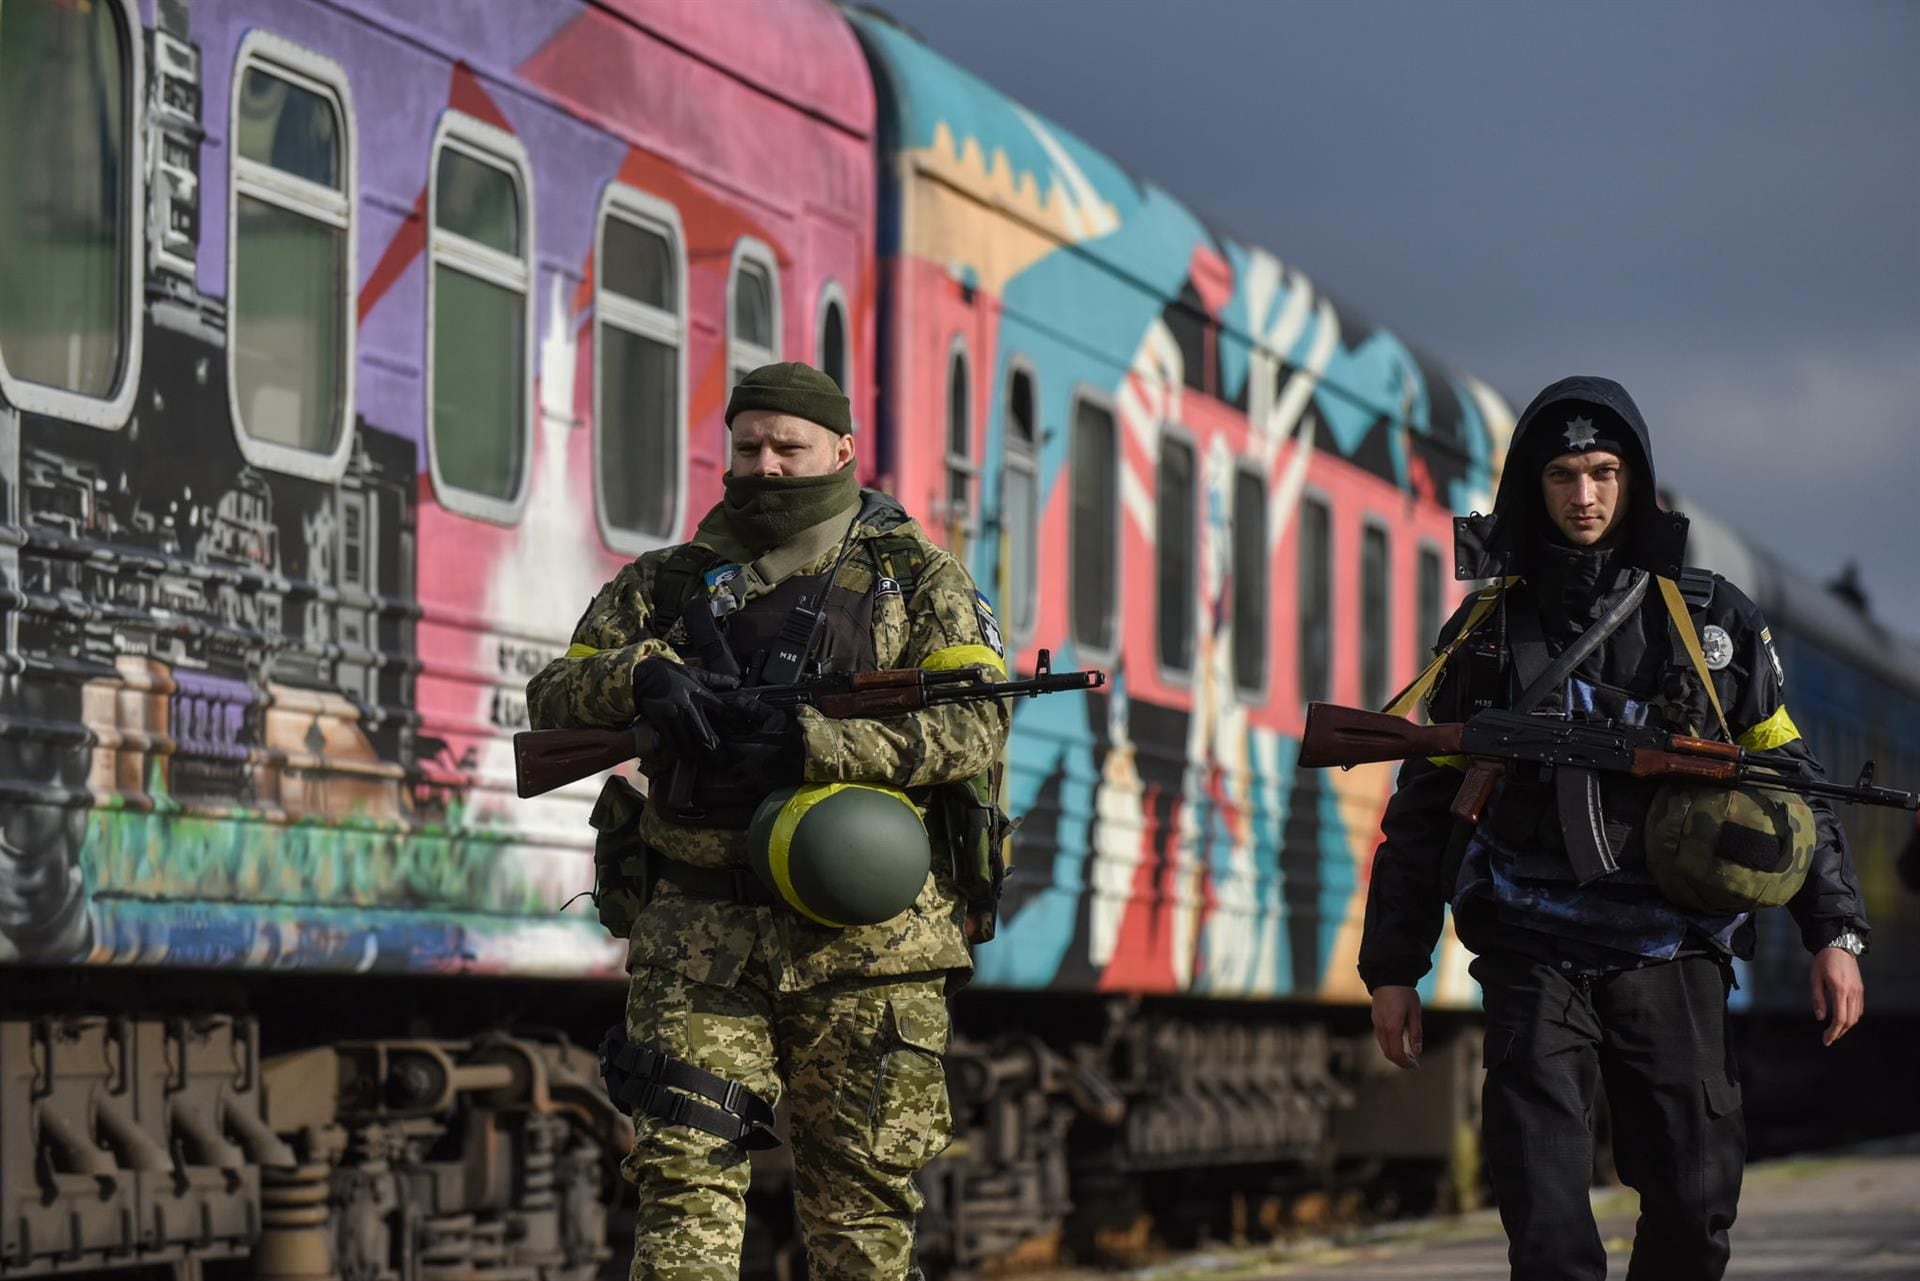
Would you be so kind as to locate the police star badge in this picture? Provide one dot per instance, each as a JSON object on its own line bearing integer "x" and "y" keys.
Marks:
{"x": 1581, "y": 434}
{"x": 1716, "y": 646}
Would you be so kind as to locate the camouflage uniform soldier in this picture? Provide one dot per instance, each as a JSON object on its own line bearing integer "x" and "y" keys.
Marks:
{"x": 849, "y": 1025}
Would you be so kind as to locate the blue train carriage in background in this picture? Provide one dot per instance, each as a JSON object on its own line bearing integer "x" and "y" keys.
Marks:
{"x": 1853, "y": 688}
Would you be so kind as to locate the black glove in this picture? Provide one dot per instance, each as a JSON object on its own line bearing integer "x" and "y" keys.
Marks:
{"x": 680, "y": 704}
{"x": 769, "y": 744}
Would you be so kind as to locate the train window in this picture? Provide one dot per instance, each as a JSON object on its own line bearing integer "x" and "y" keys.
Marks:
{"x": 1427, "y": 620}
{"x": 1427, "y": 617}
{"x": 1249, "y": 571}
{"x": 70, "y": 88}
{"x": 753, "y": 310}
{"x": 958, "y": 503}
{"x": 290, "y": 271}
{"x": 1376, "y": 641}
{"x": 1020, "y": 502}
{"x": 480, "y": 320}
{"x": 1093, "y": 534}
{"x": 830, "y": 350}
{"x": 1316, "y": 601}
{"x": 639, "y": 369}
{"x": 1175, "y": 550}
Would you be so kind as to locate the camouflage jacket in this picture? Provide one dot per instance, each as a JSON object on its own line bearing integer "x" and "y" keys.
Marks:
{"x": 711, "y": 942}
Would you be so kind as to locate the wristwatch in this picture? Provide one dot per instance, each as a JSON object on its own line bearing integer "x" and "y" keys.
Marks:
{"x": 1848, "y": 941}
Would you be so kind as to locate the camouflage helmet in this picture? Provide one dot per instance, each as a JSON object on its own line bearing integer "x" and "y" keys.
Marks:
{"x": 1728, "y": 849}
{"x": 840, "y": 853}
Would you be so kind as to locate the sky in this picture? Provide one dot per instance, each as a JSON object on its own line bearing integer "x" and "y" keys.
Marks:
{"x": 1715, "y": 203}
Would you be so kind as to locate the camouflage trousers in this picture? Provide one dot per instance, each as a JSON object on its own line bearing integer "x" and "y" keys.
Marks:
{"x": 859, "y": 1066}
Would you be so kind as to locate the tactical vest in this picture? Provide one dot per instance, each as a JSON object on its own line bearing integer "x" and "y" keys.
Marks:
{"x": 966, "y": 815}
{"x": 1518, "y": 858}
{"x": 1664, "y": 693}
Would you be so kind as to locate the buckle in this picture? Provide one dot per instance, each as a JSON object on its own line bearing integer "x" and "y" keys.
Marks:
{"x": 731, "y": 1102}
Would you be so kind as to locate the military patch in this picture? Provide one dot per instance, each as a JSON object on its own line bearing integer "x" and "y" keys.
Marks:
{"x": 720, "y": 593}
{"x": 1716, "y": 646}
{"x": 989, "y": 626}
{"x": 886, "y": 587}
{"x": 1773, "y": 656}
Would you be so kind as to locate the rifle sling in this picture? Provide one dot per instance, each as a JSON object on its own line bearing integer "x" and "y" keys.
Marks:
{"x": 1576, "y": 791}
{"x": 796, "y": 554}
{"x": 1690, "y": 641}
{"x": 1402, "y": 703}
{"x": 1530, "y": 646}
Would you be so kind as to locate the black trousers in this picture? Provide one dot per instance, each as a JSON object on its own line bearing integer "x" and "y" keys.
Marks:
{"x": 1658, "y": 1036}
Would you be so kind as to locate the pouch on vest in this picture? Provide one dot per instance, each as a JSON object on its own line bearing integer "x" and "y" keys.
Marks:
{"x": 979, "y": 838}
{"x": 620, "y": 879}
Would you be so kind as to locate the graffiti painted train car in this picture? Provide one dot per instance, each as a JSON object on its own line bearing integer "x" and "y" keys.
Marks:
{"x": 345, "y": 349}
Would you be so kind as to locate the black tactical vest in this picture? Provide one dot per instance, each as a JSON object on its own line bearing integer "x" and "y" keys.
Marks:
{"x": 846, "y": 633}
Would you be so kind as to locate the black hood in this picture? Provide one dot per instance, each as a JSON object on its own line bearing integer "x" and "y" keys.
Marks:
{"x": 1501, "y": 544}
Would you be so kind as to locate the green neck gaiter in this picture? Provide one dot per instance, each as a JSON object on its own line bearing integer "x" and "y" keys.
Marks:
{"x": 762, "y": 512}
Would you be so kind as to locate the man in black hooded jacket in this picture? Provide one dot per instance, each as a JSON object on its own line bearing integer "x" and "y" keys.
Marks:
{"x": 1605, "y": 978}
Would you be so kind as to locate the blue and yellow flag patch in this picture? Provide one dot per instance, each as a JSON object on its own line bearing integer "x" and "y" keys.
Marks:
{"x": 989, "y": 625}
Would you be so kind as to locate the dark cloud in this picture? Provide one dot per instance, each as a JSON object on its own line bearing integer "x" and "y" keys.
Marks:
{"x": 1717, "y": 204}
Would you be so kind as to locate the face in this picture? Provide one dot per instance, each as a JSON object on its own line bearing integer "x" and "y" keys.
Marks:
{"x": 1586, "y": 494}
{"x": 766, "y": 443}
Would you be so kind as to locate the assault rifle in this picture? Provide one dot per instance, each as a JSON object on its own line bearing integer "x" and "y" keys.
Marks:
{"x": 544, "y": 759}
{"x": 1577, "y": 751}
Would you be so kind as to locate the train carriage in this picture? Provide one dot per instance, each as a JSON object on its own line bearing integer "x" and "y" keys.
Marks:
{"x": 1171, "y": 455}
{"x": 346, "y": 349}
{"x": 345, "y": 352}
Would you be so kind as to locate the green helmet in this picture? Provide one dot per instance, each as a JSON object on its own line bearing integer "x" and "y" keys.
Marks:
{"x": 1728, "y": 849}
{"x": 840, "y": 853}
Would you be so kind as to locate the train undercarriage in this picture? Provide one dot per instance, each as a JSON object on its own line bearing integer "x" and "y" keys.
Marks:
{"x": 296, "y": 1131}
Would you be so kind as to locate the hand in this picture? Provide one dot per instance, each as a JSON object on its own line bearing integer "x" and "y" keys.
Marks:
{"x": 1839, "y": 996}
{"x": 1396, "y": 1024}
{"x": 680, "y": 704}
{"x": 766, "y": 744}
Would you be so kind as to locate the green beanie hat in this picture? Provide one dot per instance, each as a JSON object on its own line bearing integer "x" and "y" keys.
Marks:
{"x": 792, "y": 387}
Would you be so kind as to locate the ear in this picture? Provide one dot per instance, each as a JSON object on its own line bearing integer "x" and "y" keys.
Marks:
{"x": 842, "y": 451}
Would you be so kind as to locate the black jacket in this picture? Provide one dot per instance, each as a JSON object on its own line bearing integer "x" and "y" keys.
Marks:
{"x": 1416, "y": 870}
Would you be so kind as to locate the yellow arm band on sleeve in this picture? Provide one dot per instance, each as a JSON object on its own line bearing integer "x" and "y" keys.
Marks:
{"x": 577, "y": 650}
{"x": 1776, "y": 731}
{"x": 945, "y": 660}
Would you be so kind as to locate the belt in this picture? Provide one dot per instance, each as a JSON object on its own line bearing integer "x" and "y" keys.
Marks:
{"x": 725, "y": 884}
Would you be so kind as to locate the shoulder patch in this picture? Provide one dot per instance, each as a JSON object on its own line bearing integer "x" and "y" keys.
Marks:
{"x": 1773, "y": 656}
{"x": 1716, "y": 646}
{"x": 720, "y": 593}
{"x": 886, "y": 587}
{"x": 989, "y": 625}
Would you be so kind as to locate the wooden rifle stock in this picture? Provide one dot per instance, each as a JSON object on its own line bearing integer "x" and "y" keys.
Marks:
{"x": 1716, "y": 766}
{"x": 1348, "y": 736}
{"x": 550, "y": 758}
{"x": 1476, "y": 789}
